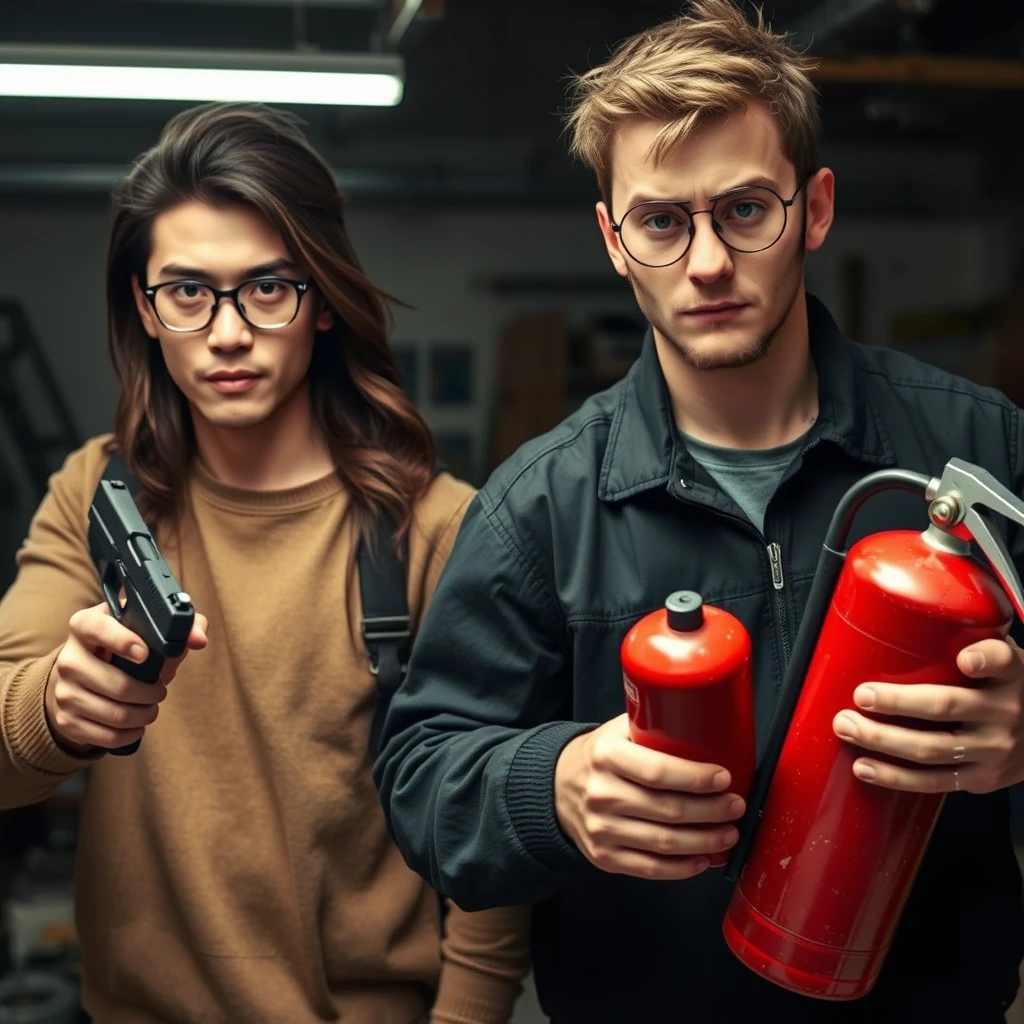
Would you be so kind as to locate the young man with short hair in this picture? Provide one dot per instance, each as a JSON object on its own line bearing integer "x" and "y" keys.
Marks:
{"x": 506, "y": 769}
{"x": 236, "y": 867}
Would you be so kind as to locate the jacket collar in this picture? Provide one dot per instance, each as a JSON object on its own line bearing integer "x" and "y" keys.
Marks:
{"x": 642, "y": 452}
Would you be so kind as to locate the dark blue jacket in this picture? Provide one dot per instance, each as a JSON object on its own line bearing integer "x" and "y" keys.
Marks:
{"x": 573, "y": 539}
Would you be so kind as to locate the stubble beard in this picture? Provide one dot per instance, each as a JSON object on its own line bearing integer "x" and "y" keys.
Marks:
{"x": 745, "y": 355}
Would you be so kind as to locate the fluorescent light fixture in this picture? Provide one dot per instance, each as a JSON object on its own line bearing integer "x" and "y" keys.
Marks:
{"x": 355, "y": 79}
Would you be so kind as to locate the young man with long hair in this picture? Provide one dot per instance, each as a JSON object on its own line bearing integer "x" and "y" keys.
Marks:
{"x": 506, "y": 768}
{"x": 237, "y": 867}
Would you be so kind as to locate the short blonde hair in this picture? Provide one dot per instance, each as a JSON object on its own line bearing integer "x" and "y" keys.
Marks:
{"x": 711, "y": 62}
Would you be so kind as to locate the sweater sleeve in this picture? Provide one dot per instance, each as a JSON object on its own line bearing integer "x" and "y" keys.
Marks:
{"x": 485, "y": 955}
{"x": 55, "y": 578}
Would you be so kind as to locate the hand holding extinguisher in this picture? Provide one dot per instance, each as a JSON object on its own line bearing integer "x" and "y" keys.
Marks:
{"x": 645, "y": 794}
{"x": 687, "y": 673}
{"x": 825, "y": 861}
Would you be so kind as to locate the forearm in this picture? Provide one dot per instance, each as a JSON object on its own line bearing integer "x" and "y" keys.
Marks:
{"x": 485, "y": 957}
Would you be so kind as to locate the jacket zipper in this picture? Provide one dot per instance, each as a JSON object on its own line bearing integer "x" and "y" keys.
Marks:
{"x": 778, "y": 583}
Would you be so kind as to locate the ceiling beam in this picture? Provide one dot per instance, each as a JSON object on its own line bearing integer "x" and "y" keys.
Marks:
{"x": 924, "y": 69}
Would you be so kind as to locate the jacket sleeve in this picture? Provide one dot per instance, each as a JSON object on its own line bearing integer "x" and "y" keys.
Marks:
{"x": 55, "y": 579}
{"x": 469, "y": 744}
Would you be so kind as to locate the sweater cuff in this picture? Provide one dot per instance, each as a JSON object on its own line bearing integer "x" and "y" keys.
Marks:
{"x": 467, "y": 996}
{"x": 33, "y": 748}
{"x": 530, "y": 795}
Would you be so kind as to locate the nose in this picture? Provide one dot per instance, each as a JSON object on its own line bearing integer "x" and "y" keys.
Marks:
{"x": 228, "y": 331}
{"x": 709, "y": 259}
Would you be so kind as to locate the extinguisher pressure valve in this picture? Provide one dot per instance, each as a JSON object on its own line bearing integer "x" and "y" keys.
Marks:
{"x": 956, "y": 503}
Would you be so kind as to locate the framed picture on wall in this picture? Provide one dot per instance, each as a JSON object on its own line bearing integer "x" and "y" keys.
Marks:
{"x": 451, "y": 374}
{"x": 408, "y": 356}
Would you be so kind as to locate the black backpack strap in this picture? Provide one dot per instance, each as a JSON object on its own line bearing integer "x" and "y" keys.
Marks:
{"x": 386, "y": 628}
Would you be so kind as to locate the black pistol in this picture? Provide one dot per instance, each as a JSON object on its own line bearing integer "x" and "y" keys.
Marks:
{"x": 140, "y": 588}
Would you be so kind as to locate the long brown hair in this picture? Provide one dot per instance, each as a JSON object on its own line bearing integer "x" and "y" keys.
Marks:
{"x": 259, "y": 156}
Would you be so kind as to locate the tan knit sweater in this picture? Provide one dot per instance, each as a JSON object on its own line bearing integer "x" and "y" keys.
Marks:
{"x": 237, "y": 868}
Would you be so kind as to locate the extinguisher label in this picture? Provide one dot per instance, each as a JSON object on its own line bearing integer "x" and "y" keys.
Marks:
{"x": 631, "y": 691}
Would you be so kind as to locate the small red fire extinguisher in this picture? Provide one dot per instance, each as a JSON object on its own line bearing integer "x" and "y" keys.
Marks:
{"x": 825, "y": 861}
{"x": 686, "y": 670}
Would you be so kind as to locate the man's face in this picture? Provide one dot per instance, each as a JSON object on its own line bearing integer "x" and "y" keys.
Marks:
{"x": 232, "y": 374}
{"x": 716, "y": 308}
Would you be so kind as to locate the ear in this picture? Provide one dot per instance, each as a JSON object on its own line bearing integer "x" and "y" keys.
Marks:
{"x": 149, "y": 322}
{"x": 821, "y": 193}
{"x": 325, "y": 317}
{"x": 611, "y": 240}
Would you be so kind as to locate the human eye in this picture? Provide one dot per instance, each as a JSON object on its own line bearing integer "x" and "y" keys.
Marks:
{"x": 188, "y": 292}
{"x": 266, "y": 290}
{"x": 743, "y": 209}
{"x": 661, "y": 221}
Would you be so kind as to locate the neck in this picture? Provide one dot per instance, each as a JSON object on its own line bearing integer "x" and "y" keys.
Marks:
{"x": 285, "y": 450}
{"x": 762, "y": 405}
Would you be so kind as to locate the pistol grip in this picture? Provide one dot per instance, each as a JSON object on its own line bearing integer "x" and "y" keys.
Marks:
{"x": 146, "y": 672}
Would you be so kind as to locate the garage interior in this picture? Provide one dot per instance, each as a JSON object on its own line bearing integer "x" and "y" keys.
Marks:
{"x": 464, "y": 204}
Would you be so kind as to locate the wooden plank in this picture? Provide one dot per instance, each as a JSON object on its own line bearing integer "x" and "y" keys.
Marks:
{"x": 923, "y": 69}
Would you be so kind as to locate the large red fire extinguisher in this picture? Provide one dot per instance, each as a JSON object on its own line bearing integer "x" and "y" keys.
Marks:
{"x": 825, "y": 861}
{"x": 687, "y": 673}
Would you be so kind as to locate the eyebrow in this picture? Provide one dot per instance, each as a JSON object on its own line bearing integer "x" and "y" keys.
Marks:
{"x": 177, "y": 270}
{"x": 756, "y": 181}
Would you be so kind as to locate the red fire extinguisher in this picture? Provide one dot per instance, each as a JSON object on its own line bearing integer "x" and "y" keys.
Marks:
{"x": 686, "y": 670}
{"x": 825, "y": 861}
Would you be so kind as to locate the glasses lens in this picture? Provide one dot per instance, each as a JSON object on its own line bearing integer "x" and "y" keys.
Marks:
{"x": 185, "y": 306}
{"x": 656, "y": 234}
{"x": 750, "y": 220}
{"x": 268, "y": 302}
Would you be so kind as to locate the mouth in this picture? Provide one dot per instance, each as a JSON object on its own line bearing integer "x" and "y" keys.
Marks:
{"x": 233, "y": 381}
{"x": 715, "y": 312}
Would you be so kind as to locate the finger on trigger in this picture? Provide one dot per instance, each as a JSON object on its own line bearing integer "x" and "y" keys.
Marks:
{"x": 104, "y": 631}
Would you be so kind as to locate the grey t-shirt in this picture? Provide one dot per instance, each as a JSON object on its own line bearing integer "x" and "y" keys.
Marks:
{"x": 748, "y": 477}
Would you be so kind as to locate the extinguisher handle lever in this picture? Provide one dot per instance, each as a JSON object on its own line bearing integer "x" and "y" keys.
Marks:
{"x": 957, "y": 499}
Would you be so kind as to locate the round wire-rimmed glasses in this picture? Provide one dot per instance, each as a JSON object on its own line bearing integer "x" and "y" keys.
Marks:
{"x": 266, "y": 303}
{"x": 658, "y": 233}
